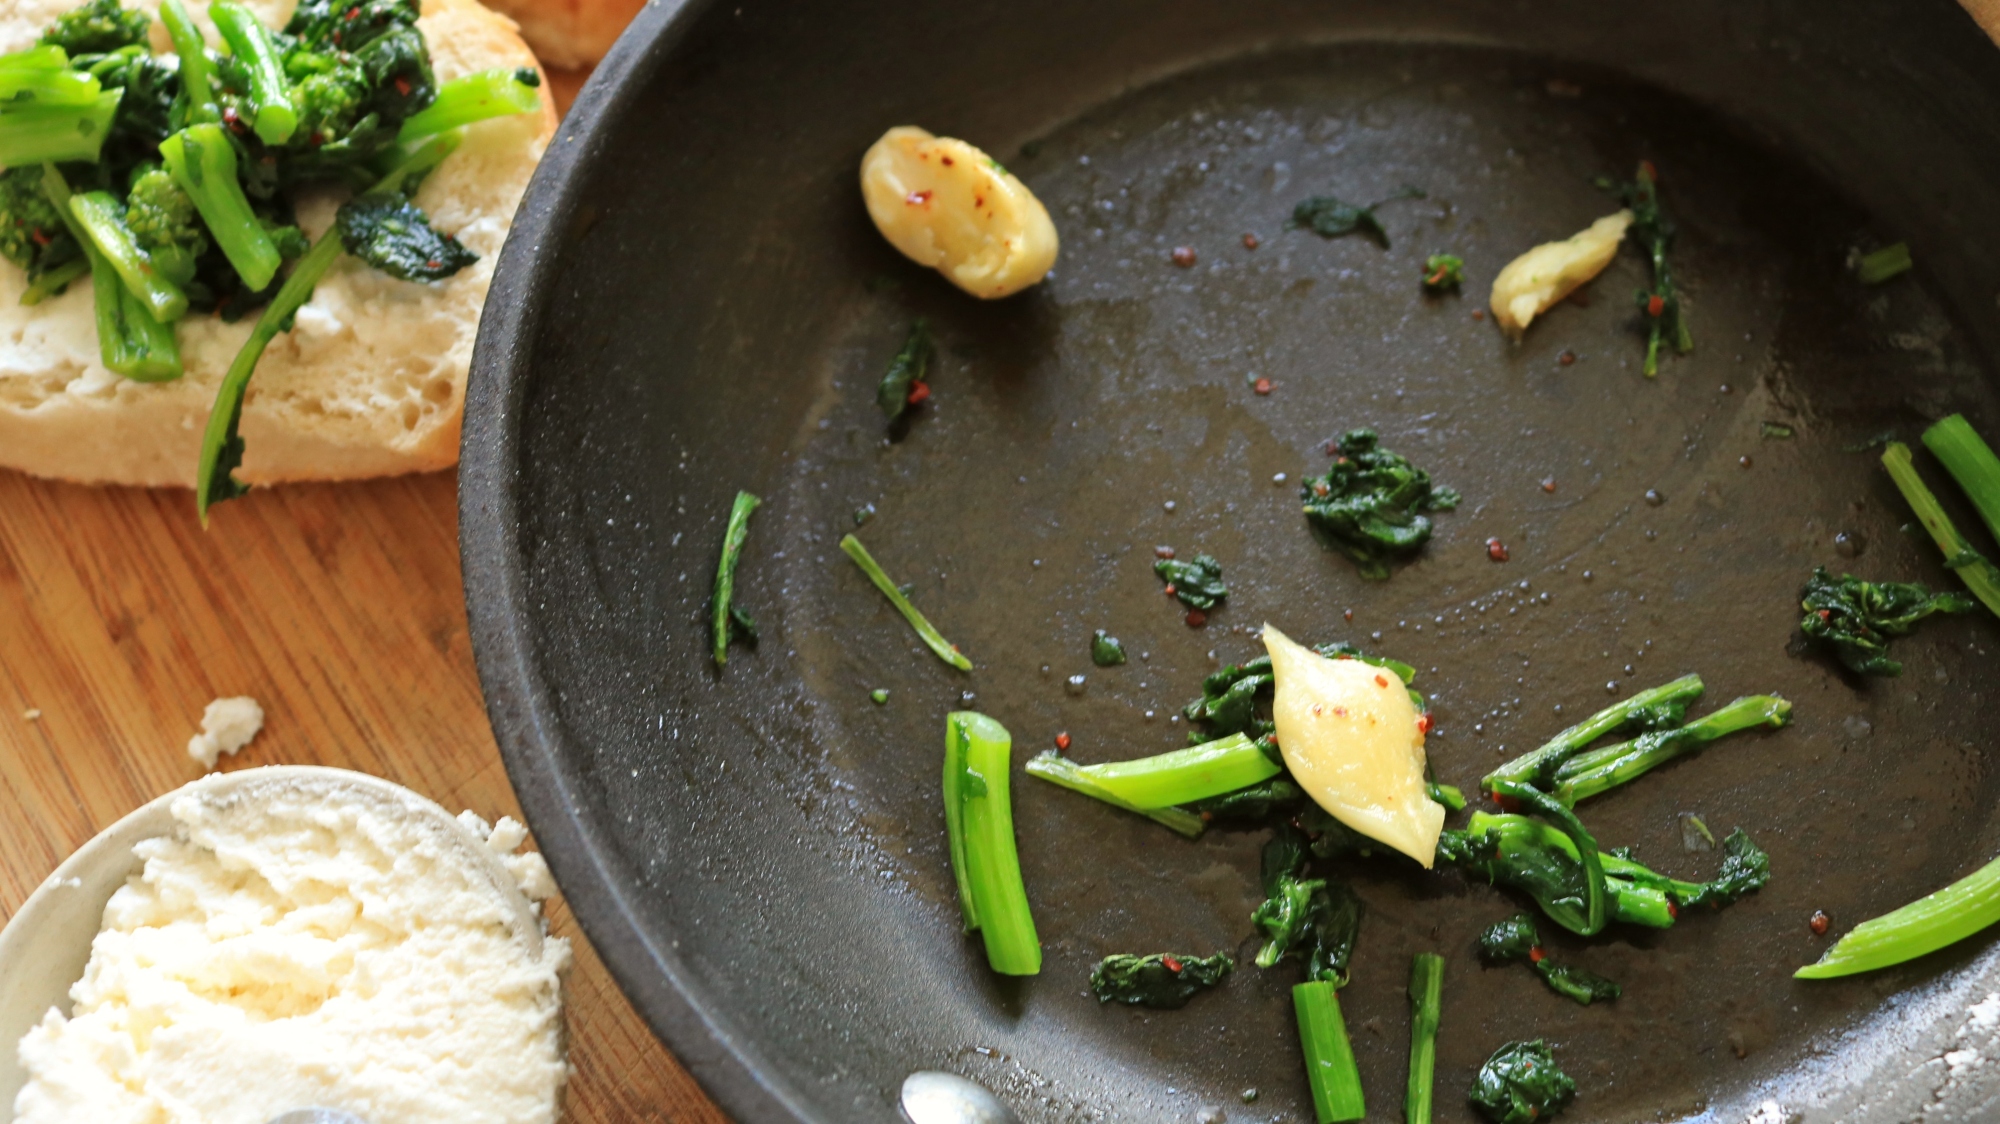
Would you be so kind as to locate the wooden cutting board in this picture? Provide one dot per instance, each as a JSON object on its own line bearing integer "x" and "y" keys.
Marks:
{"x": 340, "y": 609}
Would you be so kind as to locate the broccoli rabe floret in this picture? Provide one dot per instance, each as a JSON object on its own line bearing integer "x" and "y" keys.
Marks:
{"x": 1521, "y": 1084}
{"x": 1854, "y": 619}
{"x": 97, "y": 27}
{"x": 32, "y": 235}
{"x": 165, "y": 224}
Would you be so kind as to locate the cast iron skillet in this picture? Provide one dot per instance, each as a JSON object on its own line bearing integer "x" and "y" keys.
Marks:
{"x": 694, "y": 302}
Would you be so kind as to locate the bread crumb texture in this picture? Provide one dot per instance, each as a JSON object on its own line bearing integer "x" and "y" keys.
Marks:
{"x": 227, "y": 725}
{"x": 371, "y": 381}
{"x": 306, "y": 950}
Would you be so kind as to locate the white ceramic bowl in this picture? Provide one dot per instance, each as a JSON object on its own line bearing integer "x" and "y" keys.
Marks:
{"x": 46, "y": 944}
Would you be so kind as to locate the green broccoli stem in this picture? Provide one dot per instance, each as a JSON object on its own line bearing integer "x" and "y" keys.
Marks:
{"x": 1558, "y": 814}
{"x": 1186, "y": 775}
{"x": 1445, "y": 794}
{"x": 1971, "y": 462}
{"x": 1426, "y": 995}
{"x": 203, "y": 163}
{"x": 934, "y": 640}
{"x": 55, "y": 281}
{"x": 1538, "y": 767}
{"x": 221, "y": 446}
{"x": 474, "y": 98}
{"x": 129, "y": 341}
{"x": 41, "y": 77}
{"x": 1330, "y": 1070}
{"x": 1978, "y": 574}
{"x": 725, "y": 571}
{"x": 1061, "y": 771}
{"x": 197, "y": 71}
{"x": 1885, "y": 263}
{"x": 956, "y": 738}
{"x": 102, "y": 220}
{"x": 1637, "y": 895}
{"x": 1930, "y": 923}
{"x": 57, "y": 134}
{"x": 992, "y": 865}
{"x": 1601, "y": 770}
{"x": 275, "y": 118}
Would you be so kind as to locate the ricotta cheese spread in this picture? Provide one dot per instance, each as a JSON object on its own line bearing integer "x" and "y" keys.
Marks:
{"x": 227, "y": 725}
{"x": 311, "y": 949}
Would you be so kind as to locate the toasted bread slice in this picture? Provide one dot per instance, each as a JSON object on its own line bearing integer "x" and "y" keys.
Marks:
{"x": 371, "y": 380}
{"x": 571, "y": 34}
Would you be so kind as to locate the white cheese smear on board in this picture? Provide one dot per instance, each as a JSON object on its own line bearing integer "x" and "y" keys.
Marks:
{"x": 227, "y": 725}
{"x": 1349, "y": 734}
{"x": 313, "y": 951}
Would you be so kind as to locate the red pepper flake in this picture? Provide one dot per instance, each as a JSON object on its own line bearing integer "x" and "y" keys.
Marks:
{"x": 1381, "y": 681}
{"x": 1340, "y": 712}
{"x": 1509, "y": 804}
{"x": 1347, "y": 614}
{"x": 1062, "y": 741}
{"x": 1536, "y": 955}
{"x": 1744, "y": 461}
{"x": 1170, "y": 589}
{"x": 919, "y": 391}
{"x": 1479, "y": 314}
{"x": 40, "y": 236}
{"x": 1438, "y": 277}
{"x": 352, "y": 13}
{"x": 978, "y": 201}
{"x": 1163, "y": 551}
{"x": 1496, "y": 550}
{"x": 1651, "y": 173}
{"x": 1196, "y": 618}
{"x": 1262, "y": 386}
{"x": 1656, "y": 305}
{"x": 1331, "y": 448}
{"x": 1549, "y": 484}
{"x": 945, "y": 160}
{"x": 1566, "y": 358}
{"x": 433, "y": 264}
{"x": 1183, "y": 256}
{"x": 1820, "y": 923}
{"x": 1423, "y": 723}
{"x": 402, "y": 85}
{"x": 1249, "y": 241}
{"x": 1826, "y": 614}
{"x": 918, "y": 198}
{"x": 1673, "y": 910}
{"x": 1172, "y": 964}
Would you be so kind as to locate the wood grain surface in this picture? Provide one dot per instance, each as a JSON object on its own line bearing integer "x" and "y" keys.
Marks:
{"x": 340, "y": 609}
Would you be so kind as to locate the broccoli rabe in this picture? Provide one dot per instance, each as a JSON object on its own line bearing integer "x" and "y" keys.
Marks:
{"x": 901, "y": 383}
{"x": 1164, "y": 980}
{"x": 1319, "y": 917}
{"x": 1105, "y": 650}
{"x": 96, "y": 27}
{"x": 388, "y": 232}
{"x": 165, "y": 224}
{"x": 1854, "y": 619}
{"x": 1328, "y": 217}
{"x": 32, "y": 234}
{"x": 1197, "y": 581}
{"x": 1373, "y": 504}
{"x": 1520, "y": 1084}
{"x": 1515, "y": 941}
{"x": 1653, "y": 232}
{"x": 1443, "y": 272}
{"x": 148, "y": 89}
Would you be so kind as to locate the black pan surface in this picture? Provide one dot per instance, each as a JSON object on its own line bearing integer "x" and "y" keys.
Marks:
{"x": 697, "y": 303}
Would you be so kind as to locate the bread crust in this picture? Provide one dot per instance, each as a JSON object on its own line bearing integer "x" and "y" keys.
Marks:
{"x": 571, "y": 34}
{"x": 371, "y": 382}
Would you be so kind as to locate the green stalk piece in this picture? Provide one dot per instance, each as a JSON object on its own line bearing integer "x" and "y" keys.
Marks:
{"x": 129, "y": 341}
{"x": 1058, "y": 770}
{"x": 55, "y": 281}
{"x": 1930, "y": 923}
{"x": 985, "y": 851}
{"x": 944, "y": 649}
{"x": 57, "y": 134}
{"x": 725, "y": 572}
{"x": 1601, "y": 770}
{"x": 1186, "y": 775}
{"x": 221, "y": 446}
{"x": 1971, "y": 462}
{"x": 1426, "y": 995}
{"x": 203, "y": 163}
{"x": 41, "y": 77}
{"x": 476, "y": 97}
{"x": 197, "y": 71}
{"x": 1330, "y": 1070}
{"x": 1538, "y": 767}
{"x": 955, "y": 742}
{"x": 1885, "y": 263}
{"x": 275, "y": 117}
{"x": 1978, "y": 574}
{"x": 102, "y": 219}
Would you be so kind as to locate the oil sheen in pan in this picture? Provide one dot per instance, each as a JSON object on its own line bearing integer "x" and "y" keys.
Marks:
{"x": 1113, "y": 409}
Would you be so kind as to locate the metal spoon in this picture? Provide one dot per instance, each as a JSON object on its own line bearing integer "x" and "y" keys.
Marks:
{"x": 316, "y": 1116}
{"x": 932, "y": 1097}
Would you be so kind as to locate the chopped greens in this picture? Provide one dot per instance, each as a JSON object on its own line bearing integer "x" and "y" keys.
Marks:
{"x": 388, "y": 232}
{"x": 1930, "y": 923}
{"x": 906, "y": 371}
{"x": 1885, "y": 263}
{"x": 942, "y": 648}
{"x": 1105, "y": 650}
{"x": 1426, "y": 995}
{"x": 97, "y": 27}
{"x": 1373, "y": 504}
{"x": 1854, "y": 619}
{"x": 1653, "y": 232}
{"x": 1979, "y": 575}
{"x": 1328, "y": 217}
{"x": 1197, "y": 582}
{"x": 1443, "y": 272}
{"x": 979, "y": 822}
{"x": 727, "y": 619}
{"x": 1322, "y": 917}
{"x": 1520, "y": 1084}
{"x": 1775, "y": 429}
{"x": 1515, "y": 941}
{"x": 1164, "y": 981}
